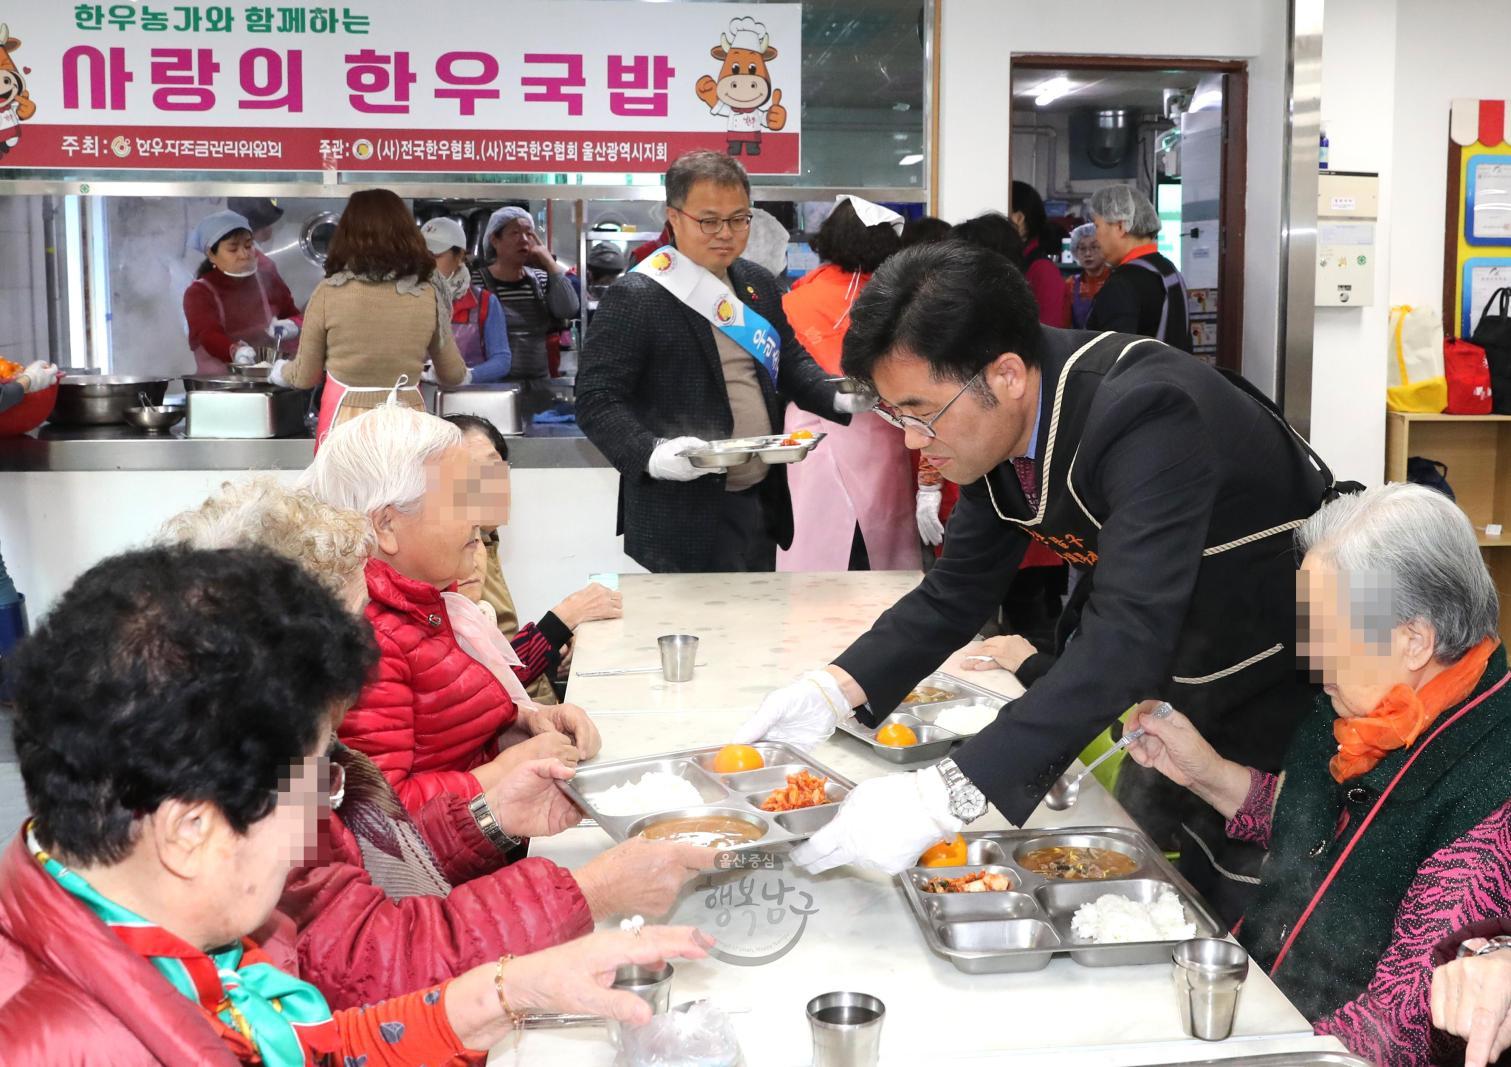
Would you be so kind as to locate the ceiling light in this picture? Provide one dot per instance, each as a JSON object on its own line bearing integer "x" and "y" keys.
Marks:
{"x": 910, "y": 160}
{"x": 1050, "y": 91}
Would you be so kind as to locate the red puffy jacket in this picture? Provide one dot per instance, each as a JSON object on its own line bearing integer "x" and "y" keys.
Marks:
{"x": 71, "y": 991}
{"x": 359, "y": 945}
{"x": 431, "y": 713}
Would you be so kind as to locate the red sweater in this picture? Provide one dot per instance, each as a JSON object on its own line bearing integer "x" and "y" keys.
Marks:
{"x": 216, "y": 327}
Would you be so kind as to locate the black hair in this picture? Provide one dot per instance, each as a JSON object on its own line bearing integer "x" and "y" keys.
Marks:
{"x": 994, "y": 231}
{"x": 924, "y": 230}
{"x": 703, "y": 165}
{"x": 1026, "y": 198}
{"x": 484, "y": 427}
{"x": 951, "y": 303}
{"x": 177, "y": 673}
{"x": 206, "y": 266}
{"x": 851, "y": 245}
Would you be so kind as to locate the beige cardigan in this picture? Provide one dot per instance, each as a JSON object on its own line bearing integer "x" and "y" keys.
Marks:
{"x": 366, "y": 334}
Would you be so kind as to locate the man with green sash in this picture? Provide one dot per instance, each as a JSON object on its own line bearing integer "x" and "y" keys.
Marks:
{"x": 693, "y": 346}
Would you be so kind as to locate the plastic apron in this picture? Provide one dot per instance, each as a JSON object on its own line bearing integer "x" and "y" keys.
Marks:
{"x": 862, "y": 475}
{"x": 332, "y": 401}
{"x": 248, "y": 319}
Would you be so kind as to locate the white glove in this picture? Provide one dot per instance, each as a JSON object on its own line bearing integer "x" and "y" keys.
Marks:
{"x": 927, "y": 511}
{"x": 427, "y": 374}
{"x": 243, "y": 354}
{"x": 38, "y": 376}
{"x": 855, "y": 403}
{"x": 883, "y": 825}
{"x": 285, "y": 329}
{"x": 802, "y": 713}
{"x": 279, "y": 375}
{"x": 668, "y": 465}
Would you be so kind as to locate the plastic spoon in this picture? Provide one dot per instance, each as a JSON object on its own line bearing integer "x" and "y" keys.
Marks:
{"x": 1064, "y": 792}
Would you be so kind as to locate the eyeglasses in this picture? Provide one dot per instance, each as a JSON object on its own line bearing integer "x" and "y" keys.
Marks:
{"x": 736, "y": 223}
{"x": 912, "y": 423}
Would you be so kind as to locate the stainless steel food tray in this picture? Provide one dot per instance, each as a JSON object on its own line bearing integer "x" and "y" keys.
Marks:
{"x": 737, "y": 795}
{"x": 934, "y": 742}
{"x": 1280, "y": 1060}
{"x": 736, "y": 451}
{"x": 1023, "y": 928}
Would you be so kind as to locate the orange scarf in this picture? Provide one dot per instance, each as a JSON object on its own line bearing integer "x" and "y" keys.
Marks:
{"x": 1404, "y": 713}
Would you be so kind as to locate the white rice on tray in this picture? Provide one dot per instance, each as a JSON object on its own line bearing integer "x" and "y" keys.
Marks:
{"x": 653, "y": 791}
{"x": 967, "y": 720}
{"x": 1113, "y": 920}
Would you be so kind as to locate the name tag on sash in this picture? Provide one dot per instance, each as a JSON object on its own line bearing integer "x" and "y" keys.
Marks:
{"x": 714, "y": 301}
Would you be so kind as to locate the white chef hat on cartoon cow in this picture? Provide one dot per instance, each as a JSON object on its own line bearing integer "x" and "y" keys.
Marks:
{"x": 746, "y": 33}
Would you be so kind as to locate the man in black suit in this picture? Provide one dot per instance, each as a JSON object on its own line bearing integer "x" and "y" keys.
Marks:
{"x": 659, "y": 377}
{"x": 1176, "y": 486}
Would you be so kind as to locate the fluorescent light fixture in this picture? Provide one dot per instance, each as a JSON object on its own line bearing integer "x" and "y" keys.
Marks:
{"x": 1050, "y": 91}
{"x": 910, "y": 160}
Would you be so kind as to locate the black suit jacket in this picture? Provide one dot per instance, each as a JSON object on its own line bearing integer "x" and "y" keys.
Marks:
{"x": 1172, "y": 459}
{"x": 649, "y": 371}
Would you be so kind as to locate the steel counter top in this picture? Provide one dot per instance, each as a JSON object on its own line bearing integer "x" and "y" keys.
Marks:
{"x": 121, "y": 448}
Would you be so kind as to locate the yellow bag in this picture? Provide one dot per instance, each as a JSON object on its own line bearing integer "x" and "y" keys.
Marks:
{"x": 1416, "y": 382}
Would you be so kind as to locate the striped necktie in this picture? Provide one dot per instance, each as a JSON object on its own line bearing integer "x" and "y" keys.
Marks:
{"x": 1028, "y": 478}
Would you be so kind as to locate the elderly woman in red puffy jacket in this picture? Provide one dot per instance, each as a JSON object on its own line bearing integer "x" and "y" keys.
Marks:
{"x": 376, "y": 913}
{"x": 431, "y": 716}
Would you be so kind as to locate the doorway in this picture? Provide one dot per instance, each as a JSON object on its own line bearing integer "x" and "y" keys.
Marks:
{"x": 1174, "y": 129}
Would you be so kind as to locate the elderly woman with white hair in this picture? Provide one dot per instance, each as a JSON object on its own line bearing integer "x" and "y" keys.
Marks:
{"x": 1084, "y": 287}
{"x": 533, "y": 288}
{"x": 1145, "y": 294}
{"x": 1390, "y": 825}
{"x": 431, "y": 716}
{"x": 376, "y": 913}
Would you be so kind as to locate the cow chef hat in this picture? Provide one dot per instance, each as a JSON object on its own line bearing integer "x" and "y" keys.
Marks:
{"x": 872, "y": 214}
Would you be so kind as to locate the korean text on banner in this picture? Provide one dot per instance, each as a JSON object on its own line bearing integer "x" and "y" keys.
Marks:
{"x": 384, "y": 85}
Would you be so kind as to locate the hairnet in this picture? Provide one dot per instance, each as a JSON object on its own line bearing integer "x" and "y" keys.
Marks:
{"x": 502, "y": 217}
{"x": 212, "y": 228}
{"x": 1125, "y": 204}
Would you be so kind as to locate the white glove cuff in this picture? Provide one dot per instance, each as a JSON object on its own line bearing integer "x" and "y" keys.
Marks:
{"x": 934, "y": 797}
{"x": 278, "y": 375}
{"x": 828, "y": 687}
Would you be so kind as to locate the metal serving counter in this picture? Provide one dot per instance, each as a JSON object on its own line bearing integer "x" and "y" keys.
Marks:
{"x": 120, "y": 448}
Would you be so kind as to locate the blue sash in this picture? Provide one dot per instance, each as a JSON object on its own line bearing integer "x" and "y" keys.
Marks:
{"x": 710, "y": 298}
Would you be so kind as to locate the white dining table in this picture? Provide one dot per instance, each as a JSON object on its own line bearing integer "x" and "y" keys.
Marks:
{"x": 848, "y": 930}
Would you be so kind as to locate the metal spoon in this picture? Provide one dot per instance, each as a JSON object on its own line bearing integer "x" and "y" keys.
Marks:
{"x": 1064, "y": 792}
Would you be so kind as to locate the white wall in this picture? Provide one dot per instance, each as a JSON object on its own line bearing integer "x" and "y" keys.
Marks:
{"x": 1360, "y": 74}
{"x": 23, "y": 284}
{"x": 976, "y": 108}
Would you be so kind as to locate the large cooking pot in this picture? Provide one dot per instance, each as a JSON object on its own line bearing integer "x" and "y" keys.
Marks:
{"x": 101, "y": 399}
{"x": 227, "y": 383}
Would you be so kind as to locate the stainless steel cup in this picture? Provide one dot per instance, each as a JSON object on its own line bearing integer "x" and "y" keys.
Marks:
{"x": 678, "y": 651}
{"x": 651, "y": 984}
{"x": 846, "y": 1029}
{"x": 1209, "y": 976}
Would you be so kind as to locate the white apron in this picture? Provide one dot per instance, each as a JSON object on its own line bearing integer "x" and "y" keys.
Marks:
{"x": 336, "y": 392}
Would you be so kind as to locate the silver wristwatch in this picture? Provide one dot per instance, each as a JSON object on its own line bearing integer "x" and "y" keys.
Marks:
{"x": 967, "y": 803}
{"x": 483, "y": 816}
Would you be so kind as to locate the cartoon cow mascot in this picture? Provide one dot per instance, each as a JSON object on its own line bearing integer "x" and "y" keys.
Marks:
{"x": 742, "y": 94}
{"x": 15, "y": 102}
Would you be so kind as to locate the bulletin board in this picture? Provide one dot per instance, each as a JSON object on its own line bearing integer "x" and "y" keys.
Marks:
{"x": 1477, "y": 249}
